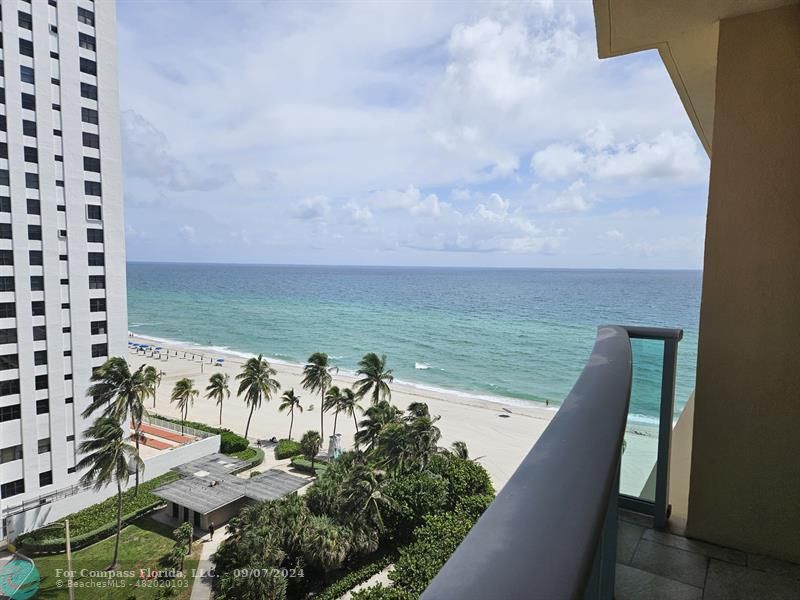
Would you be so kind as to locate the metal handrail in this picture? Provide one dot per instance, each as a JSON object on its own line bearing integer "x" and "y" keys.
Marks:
{"x": 551, "y": 532}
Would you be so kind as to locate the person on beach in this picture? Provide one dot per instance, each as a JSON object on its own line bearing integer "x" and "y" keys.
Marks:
{"x": 211, "y": 531}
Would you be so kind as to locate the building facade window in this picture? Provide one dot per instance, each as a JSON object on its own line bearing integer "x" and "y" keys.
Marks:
{"x": 26, "y": 47}
{"x": 10, "y": 413}
{"x": 9, "y": 336}
{"x": 45, "y": 478}
{"x": 32, "y": 181}
{"x": 35, "y": 257}
{"x": 91, "y": 164}
{"x": 9, "y": 361}
{"x": 5, "y": 204}
{"x": 86, "y": 41}
{"x": 6, "y": 231}
{"x": 37, "y": 283}
{"x": 8, "y": 310}
{"x": 88, "y": 66}
{"x": 97, "y": 305}
{"x": 26, "y": 74}
{"x": 99, "y": 350}
{"x": 34, "y": 232}
{"x": 88, "y": 91}
{"x": 28, "y": 101}
{"x": 37, "y": 308}
{"x": 96, "y": 259}
{"x": 92, "y": 188}
{"x": 85, "y": 16}
{"x": 91, "y": 140}
{"x": 10, "y": 454}
{"x": 34, "y": 206}
{"x": 97, "y": 282}
{"x": 29, "y": 128}
{"x": 94, "y": 235}
{"x": 9, "y": 388}
{"x": 12, "y": 488}
{"x": 94, "y": 212}
{"x": 7, "y": 257}
{"x": 44, "y": 446}
{"x": 39, "y": 333}
{"x": 7, "y": 284}
{"x": 89, "y": 115}
{"x": 98, "y": 327}
{"x": 40, "y": 357}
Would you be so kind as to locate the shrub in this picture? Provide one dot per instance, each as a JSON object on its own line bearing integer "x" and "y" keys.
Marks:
{"x": 415, "y": 495}
{"x": 379, "y": 592}
{"x": 434, "y": 543}
{"x": 464, "y": 477}
{"x": 303, "y": 464}
{"x": 230, "y": 442}
{"x": 254, "y": 473}
{"x": 346, "y": 583}
{"x": 96, "y": 522}
{"x": 287, "y": 449}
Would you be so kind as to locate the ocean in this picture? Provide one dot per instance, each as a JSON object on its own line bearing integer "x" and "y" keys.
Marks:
{"x": 520, "y": 335}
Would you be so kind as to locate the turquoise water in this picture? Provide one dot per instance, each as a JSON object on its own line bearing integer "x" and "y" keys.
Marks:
{"x": 521, "y": 334}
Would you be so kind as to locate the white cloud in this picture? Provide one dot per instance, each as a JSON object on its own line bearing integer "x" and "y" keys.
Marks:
{"x": 315, "y": 208}
{"x": 557, "y": 161}
{"x": 613, "y": 235}
{"x": 319, "y": 149}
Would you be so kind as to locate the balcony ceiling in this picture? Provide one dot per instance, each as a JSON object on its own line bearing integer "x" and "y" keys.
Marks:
{"x": 685, "y": 33}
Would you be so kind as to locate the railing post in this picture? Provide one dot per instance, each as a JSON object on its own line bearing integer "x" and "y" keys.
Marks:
{"x": 668, "y": 372}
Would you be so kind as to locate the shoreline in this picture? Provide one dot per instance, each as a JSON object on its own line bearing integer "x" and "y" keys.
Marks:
{"x": 410, "y": 387}
{"x": 498, "y": 434}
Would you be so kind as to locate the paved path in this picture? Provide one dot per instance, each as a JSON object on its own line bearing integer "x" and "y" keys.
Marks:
{"x": 201, "y": 590}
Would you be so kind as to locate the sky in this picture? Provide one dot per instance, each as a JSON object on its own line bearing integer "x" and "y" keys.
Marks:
{"x": 401, "y": 133}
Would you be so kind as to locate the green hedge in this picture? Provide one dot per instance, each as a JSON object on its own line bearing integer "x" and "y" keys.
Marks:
{"x": 96, "y": 522}
{"x": 230, "y": 442}
{"x": 303, "y": 464}
{"x": 287, "y": 449}
{"x": 253, "y": 456}
{"x": 340, "y": 587}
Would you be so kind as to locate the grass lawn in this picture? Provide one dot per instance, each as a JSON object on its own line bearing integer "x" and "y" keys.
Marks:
{"x": 141, "y": 546}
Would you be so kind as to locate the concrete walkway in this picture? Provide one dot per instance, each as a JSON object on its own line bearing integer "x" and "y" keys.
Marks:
{"x": 201, "y": 589}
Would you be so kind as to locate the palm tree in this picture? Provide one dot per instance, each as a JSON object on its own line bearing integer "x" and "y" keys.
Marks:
{"x": 257, "y": 384}
{"x": 120, "y": 395}
{"x": 317, "y": 378}
{"x": 348, "y": 404}
{"x": 417, "y": 409}
{"x": 152, "y": 378}
{"x": 367, "y": 492}
{"x": 375, "y": 418}
{"x": 309, "y": 445}
{"x": 109, "y": 460}
{"x": 459, "y": 449}
{"x": 290, "y": 401}
{"x": 375, "y": 378}
{"x": 326, "y": 544}
{"x": 183, "y": 395}
{"x": 218, "y": 390}
{"x": 332, "y": 402}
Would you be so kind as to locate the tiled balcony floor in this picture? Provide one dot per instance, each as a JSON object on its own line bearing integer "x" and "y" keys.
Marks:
{"x": 654, "y": 565}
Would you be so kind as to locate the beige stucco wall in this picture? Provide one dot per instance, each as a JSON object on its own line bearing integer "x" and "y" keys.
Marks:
{"x": 745, "y": 477}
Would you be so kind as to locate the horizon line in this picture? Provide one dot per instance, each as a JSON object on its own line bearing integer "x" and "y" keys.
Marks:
{"x": 363, "y": 266}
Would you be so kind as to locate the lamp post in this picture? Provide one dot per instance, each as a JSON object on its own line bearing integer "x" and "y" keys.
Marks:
{"x": 65, "y": 525}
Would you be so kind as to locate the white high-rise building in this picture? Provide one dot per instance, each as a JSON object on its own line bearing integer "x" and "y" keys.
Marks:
{"x": 62, "y": 247}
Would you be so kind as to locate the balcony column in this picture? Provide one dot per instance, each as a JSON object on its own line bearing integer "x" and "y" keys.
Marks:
{"x": 745, "y": 475}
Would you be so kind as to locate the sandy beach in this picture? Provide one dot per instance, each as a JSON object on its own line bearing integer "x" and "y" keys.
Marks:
{"x": 500, "y": 434}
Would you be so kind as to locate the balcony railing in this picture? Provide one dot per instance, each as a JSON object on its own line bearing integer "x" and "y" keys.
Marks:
{"x": 551, "y": 532}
